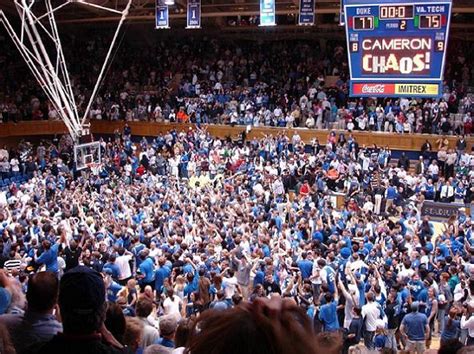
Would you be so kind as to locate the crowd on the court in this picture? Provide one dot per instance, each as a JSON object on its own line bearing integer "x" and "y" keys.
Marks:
{"x": 187, "y": 228}
{"x": 281, "y": 83}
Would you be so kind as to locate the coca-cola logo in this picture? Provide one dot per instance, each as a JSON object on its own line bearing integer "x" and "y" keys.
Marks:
{"x": 379, "y": 88}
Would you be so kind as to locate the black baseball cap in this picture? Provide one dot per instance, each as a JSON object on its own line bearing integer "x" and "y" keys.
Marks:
{"x": 81, "y": 290}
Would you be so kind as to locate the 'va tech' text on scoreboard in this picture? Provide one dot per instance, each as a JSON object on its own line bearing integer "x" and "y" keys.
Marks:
{"x": 397, "y": 48}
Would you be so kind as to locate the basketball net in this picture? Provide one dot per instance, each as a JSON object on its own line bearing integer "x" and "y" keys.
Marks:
{"x": 95, "y": 168}
{"x": 38, "y": 27}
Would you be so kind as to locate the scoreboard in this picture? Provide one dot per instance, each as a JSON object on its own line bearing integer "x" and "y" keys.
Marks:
{"x": 397, "y": 48}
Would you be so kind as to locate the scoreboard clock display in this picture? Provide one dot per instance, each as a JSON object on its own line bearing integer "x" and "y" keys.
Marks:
{"x": 397, "y": 48}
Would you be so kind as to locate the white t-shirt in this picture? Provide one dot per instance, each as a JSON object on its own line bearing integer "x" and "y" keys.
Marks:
{"x": 371, "y": 313}
{"x": 229, "y": 286}
{"x": 171, "y": 307}
{"x": 124, "y": 266}
{"x": 15, "y": 165}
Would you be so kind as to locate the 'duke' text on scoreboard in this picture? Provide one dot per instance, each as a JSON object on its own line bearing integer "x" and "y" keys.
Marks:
{"x": 397, "y": 48}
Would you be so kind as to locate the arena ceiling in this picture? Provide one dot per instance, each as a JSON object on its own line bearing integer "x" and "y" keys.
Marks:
{"x": 219, "y": 13}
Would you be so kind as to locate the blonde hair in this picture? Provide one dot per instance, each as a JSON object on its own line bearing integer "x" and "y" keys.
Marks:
{"x": 131, "y": 283}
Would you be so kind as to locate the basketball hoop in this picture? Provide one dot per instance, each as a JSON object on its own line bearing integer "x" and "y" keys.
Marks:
{"x": 87, "y": 154}
{"x": 40, "y": 46}
{"x": 95, "y": 168}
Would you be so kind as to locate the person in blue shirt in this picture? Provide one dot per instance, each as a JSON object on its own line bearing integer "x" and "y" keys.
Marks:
{"x": 416, "y": 286}
{"x": 328, "y": 313}
{"x": 49, "y": 257}
{"x": 168, "y": 325}
{"x": 415, "y": 328}
{"x": 390, "y": 195}
{"x": 113, "y": 288}
{"x": 259, "y": 274}
{"x": 5, "y": 291}
{"x": 137, "y": 248}
{"x": 192, "y": 283}
{"x": 112, "y": 267}
{"x": 305, "y": 266}
{"x": 452, "y": 326}
{"x": 163, "y": 272}
{"x": 147, "y": 270}
{"x": 220, "y": 303}
{"x": 380, "y": 339}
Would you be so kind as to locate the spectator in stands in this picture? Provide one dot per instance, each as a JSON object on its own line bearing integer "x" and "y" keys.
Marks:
{"x": 82, "y": 305}
{"x": 39, "y": 323}
{"x": 149, "y": 333}
{"x": 168, "y": 326}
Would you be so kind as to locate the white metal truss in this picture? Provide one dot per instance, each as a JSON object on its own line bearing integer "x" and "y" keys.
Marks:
{"x": 47, "y": 63}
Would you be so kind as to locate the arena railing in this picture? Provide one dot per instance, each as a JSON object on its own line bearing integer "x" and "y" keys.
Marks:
{"x": 404, "y": 142}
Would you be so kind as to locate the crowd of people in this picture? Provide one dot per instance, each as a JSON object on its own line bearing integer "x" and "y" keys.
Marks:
{"x": 187, "y": 243}
{"x": 273, "y": 83}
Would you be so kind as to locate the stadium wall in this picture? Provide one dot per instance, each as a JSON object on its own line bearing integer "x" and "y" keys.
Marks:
{"x": 408, "y": 142}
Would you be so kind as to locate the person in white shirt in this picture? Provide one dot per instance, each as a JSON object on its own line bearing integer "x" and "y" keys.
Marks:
{"x": 370, "y": 313}
{"x": 230, "y": 284}
{"x": 4, "y": 153}
{"x": 150, "y": 333}
{"x": 123, "y": 262}
{"x": 173, "y": 305}
{"x": 278, "y": 188}
{"x": 433, "y": 170}
{"x": 447, "y": 193}
{"x": 368, "y": 205}
{"x": 277, "y": 112}
{"x": 316, "y": 279}
{"x": 351, "y": 295}
{"x": 310, "y": 122}
{"x": 467, "y": 322}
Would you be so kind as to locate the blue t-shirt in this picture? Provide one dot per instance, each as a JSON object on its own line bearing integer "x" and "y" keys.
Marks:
{"x": 328, "y": 315}
{"x": 50, "y": 259}
{"x": 330, "y": 278}
{"x": 306, "y": 268}
{"x": 415, "y": 324}
{"x": 165, "y": 342}
{"x": 114, "y": 269}
{"x": 160, "y": 275}
{"x": 147, "y": 269}
{"x": 5, "y": 300}
{"x": 416, "y": 286}
{"x": 450, "y": 331}
{"x": 220, "y": 305}
{"x": 112, "y": 291}
{"x": 379, "y": 341}
{"x": 259, "y": 278}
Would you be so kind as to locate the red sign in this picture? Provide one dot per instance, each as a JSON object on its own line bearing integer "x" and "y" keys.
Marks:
{"x": 373, "y": 89}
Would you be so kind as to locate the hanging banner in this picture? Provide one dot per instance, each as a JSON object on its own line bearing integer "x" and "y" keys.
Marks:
{"x": 267, "y": 13}
{"x": 342, "y": 19}
{"x": 306, "y": 17}
{"x": 194, "y": 14}
{"x": 162, "y": 15}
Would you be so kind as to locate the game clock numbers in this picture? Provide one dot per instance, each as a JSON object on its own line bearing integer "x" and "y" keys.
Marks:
{"x": 396, "y": 12}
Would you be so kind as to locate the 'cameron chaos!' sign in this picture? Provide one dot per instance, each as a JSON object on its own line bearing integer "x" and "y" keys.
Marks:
{"x": 396, "y": 48}
{"x": 399, "y": 56}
